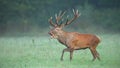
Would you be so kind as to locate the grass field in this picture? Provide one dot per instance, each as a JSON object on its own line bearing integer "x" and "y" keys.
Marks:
{"x": 41, "y": 52}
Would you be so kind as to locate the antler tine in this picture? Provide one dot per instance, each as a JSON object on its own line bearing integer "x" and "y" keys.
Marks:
{"x": 59, "y": 16}
{"x": 56, "y": 16}
{"x": 73, "y": 11}
{"x": 76, "y": 15}
{"x": 51, "y": 22}
{"x": 60, "y": 12}
{"x": 67, "y": 19}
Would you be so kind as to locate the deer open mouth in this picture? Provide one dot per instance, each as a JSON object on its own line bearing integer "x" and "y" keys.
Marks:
{"x": 51, "y": 34}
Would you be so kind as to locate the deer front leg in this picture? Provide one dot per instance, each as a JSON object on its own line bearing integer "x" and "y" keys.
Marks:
{"x": 64, "y": 50}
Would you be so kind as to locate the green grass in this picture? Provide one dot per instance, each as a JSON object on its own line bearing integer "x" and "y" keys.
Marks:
{"x": 23, "y": 52}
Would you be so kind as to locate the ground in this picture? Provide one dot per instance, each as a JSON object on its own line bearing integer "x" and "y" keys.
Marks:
{"x": 42, "y": 52}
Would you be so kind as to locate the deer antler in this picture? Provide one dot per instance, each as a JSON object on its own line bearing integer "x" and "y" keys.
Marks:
{"x": 59, "y": 16}
{"x": 51, "y": 22}
{"x": 76, "y": 15}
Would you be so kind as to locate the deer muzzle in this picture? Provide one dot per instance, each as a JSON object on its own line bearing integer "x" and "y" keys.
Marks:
{"x": 52, "y": 35}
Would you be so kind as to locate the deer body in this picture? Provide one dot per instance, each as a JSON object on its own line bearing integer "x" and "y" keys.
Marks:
{"x": 74, "y": 40}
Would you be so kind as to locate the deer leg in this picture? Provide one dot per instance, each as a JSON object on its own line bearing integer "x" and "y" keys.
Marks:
{"x": 64, "y": 50}
{"x": 97, "y": 55}
{"x": 71, "y": 54}
{"x": 93, "y": 53}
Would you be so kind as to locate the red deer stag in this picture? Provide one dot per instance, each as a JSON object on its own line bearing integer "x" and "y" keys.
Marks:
{"x": 73, "y": 40}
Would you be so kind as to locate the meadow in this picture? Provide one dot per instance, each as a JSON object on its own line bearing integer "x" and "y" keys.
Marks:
{"x": 43, "y": 52}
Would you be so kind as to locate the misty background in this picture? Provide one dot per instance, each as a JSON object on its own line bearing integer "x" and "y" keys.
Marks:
{"x": 30, "y": 17}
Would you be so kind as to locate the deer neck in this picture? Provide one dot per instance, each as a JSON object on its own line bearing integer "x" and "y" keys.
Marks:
{"x": 62, "y": 37}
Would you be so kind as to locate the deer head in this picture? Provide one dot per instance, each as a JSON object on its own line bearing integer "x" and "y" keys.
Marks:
{"x": 57, "y": 31}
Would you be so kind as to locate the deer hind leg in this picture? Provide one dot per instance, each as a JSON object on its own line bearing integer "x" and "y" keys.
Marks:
{"x": 71, "y": 54}
{"x": 67, "y": 50}
{"x": 97, "y": 54}
{"x": 93, "y": 53}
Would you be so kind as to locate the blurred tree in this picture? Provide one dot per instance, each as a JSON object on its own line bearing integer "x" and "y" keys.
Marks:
{"x": 22, "y": 15}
